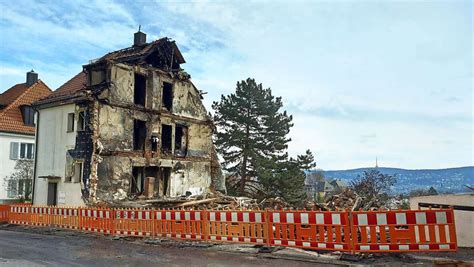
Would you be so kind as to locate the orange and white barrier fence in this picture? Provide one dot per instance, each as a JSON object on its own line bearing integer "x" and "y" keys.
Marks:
{"x": 237, "y": 226}
{"x": 133, "y": 222}
{"x": 97, "y": 220}
{"x": 4, "y": 210}
{"x": 181, "y": 224}
{"x": 401, "y": 231}
{"x": 325, "y": 230}
{"x": 357, "y": 231}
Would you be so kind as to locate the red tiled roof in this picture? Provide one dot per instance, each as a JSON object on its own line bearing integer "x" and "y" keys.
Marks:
{"x": 75, "y": 84}
{"x": 11, "y": 119}
{"x": 7, "y": 97}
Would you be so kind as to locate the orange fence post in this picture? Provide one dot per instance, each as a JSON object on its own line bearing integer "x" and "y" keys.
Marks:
{"x": 205, "y": 223}
{"x": 4, "y": 212}
{"x": 269, "y": 231}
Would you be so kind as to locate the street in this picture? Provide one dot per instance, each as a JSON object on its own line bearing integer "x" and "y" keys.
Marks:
{"x": 30, "y": 249}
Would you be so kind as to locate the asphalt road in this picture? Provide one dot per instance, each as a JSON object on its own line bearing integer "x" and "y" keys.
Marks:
{"x": 30, "y": 249}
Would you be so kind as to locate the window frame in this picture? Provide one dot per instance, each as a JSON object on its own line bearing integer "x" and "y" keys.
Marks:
{"x": 81, "y": 122}
{"x": 70, "y": 122}
{"x": 18, "y": 155}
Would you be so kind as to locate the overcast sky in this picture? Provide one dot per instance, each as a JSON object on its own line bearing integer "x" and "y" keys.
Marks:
{"x": 363, "y": 79}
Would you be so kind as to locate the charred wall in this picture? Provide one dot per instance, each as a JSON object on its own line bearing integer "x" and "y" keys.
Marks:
{"x": 189, "y": 168}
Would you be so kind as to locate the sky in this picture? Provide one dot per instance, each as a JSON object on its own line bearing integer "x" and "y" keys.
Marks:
{"x": 362, "y": 79}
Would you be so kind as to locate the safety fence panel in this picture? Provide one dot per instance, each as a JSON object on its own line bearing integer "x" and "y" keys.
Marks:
{"x": 41, "y": 216}
{"x": 4, "y": 211}
{"x": 133, "y": 222}
{"x": 183, "y": 224}
{"x": 237, "y": 226}
{"x": 97, "y": 220}
{"x": 403, "y": 231}
{"x": 20, "y": 214}
{"x": 64, "y": 217}
{"x": 310, "y": 229}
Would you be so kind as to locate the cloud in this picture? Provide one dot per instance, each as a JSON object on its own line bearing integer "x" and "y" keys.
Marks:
{"x": 361, "y": 79}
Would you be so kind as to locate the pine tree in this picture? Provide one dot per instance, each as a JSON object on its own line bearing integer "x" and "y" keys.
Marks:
{"x": 252, "y": 139}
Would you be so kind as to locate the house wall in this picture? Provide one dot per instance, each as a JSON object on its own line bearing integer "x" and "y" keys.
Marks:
{"x": 464, "y": 220}
{"x": 7, "y": 165}
{"x": 53, "y": 143}
{"x": 115, "y": 133}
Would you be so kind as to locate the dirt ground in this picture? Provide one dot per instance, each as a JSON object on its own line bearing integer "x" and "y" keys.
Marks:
{"x": 35, "y": 246}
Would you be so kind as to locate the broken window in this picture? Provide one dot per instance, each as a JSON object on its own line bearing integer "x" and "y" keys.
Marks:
{"x": 150, "y": 180}
{"x": 139, "y": 94}
{"x": 138, "y": 180}
{"x": 167, "y": 96}
{"x": 139, "y": 134}
{"x": 164, "y": 181}
{"x": 70, "y": 122}
{"x": 154, "y": 142}
{"x": 81, "y": 121}
{"x": 180, "y": 140}
{"x": 166, "y": 134}
{"x": 78, "y": 172}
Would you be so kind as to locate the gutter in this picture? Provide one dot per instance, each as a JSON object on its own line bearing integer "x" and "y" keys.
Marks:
{"x": 36, "y": 157}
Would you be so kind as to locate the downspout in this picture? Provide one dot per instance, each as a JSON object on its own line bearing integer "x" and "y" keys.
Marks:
{"x": 36, "y": 156}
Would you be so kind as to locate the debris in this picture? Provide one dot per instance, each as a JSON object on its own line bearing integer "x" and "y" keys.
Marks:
{"x": 196, "y": 202}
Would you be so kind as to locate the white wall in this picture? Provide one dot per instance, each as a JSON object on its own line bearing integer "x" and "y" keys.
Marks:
{"x": 53, "y": 143}
{"x": 6, "y": 164}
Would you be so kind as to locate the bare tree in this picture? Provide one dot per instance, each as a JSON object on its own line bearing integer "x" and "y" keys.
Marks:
{"x": 373, "y": 185}
{"x": 19, "y": 183}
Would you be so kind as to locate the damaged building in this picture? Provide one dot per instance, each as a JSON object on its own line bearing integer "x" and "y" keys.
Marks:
{"x": 130, "y": 126}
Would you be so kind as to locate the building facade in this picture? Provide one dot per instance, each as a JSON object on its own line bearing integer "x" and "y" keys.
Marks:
{"x": 130, "y": 126}
{"x": 17, "y": 137}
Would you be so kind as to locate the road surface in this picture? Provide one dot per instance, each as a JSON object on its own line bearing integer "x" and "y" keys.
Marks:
{"x": 30, "y": 249}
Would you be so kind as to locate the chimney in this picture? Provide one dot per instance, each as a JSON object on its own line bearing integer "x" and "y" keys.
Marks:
{"x": 31, "y": 78}
{"x": 139, "y": 38}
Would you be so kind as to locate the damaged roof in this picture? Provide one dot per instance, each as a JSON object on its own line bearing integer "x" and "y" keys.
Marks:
{"x": 11, "y": 119}
{"x": 135, "y": 54}
{"x": 140, "y": 52}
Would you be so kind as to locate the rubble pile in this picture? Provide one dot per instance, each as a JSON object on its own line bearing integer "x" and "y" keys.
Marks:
{"x": 212, "y": 199}
{"x": 349, "y": 200}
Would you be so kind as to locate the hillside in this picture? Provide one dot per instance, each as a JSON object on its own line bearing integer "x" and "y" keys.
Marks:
{"x": 443, "y": 180}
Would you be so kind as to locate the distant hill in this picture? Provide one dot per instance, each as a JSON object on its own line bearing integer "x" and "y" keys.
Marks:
{"x": 443, "y": 180}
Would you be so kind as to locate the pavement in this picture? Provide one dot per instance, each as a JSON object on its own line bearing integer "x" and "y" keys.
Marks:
{"x": 41, "y": 246}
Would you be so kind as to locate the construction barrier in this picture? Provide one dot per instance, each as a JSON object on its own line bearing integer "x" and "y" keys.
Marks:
{"x": 65, "y": 217}
{"x": 133, "y": 222}
{"x": 402, "y": 231}
{"x": 347, "y": 231}
{"x": 4, "y": 211}
{"x": 180, "y": 224}
{"x": 320, "y": 230}
{"x": 97, "y": 220}
{"x": 20, "y": 214}
{"x": 237, "y": 226}
{"x": 41, "y": 216}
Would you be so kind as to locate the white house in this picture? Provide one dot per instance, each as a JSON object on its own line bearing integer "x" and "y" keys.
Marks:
{"x": 17, "y": 133}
